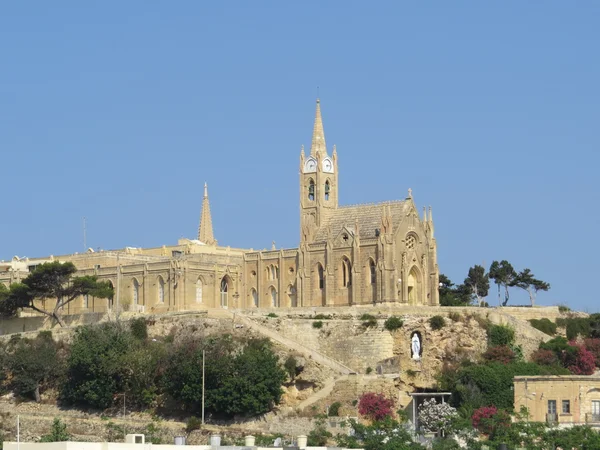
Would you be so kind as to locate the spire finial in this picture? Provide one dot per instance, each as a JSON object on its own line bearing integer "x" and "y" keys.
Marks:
{"x": 425, "y": 214}
{"x": 318, "y": 138}
{"x": 409, "y": 193}
{"x": 205, "y": 229}
{"x": 430, "y": 215}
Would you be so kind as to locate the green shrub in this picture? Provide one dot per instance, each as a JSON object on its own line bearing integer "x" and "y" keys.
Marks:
{"x": 290, "y": 366}
{"x": 544, "y": 325}
{"x": 334, "y": 409}
{"x": 369, "y": 323}
{"x": 437, "y": 322}
{"x": 575, "y": 326}
{"x": 192, "y": 424}
{"x": 369, "y": 370}
{"x": 501, "y": 335}
{"x": 454, "y": 316}
{"x": 563, "y": 309}
{"x": 322, "y": 317}
{"x": 272, "y": 315}
{"x": 393, "y": 323}
{"x": 139, "y": 328}
{"x": 367, "y": 317}
{"x": 411, "y": 373}
{"x": 318, "y": 324}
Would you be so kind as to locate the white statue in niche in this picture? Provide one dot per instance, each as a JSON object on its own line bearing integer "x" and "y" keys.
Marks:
{"x": 415, "y": 345}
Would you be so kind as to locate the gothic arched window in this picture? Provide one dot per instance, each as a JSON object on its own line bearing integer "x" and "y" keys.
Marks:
{"x": 346, "y": 272}
{"x": 321, "y": 277}
{"x": 273, "y": 297}
{"x": 199, "y": 291}
{"x": 327, "y": 190}
{"x": 224, "y": 289}
{"x": 372, "y": 270}
{"x": 311, "y": 190}
{"x": 161, "y": 290}
{"x": 136, "y": 291}
{"x": 254, "y": 296}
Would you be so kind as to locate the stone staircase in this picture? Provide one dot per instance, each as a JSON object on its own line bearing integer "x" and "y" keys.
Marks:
{"x": 291, "y": 344}
{"x": 322, "y": 393}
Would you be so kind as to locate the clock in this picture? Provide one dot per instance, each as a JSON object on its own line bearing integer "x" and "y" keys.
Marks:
{"x": 310, "y": 165}
{"x": 327, "y": 165}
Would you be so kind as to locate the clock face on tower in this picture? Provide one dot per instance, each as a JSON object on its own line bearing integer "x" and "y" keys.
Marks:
{"x": 327, "y": 165}
{"x": 310, "y": 165}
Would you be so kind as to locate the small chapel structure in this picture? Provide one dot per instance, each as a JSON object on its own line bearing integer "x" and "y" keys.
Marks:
{"x": 363, "y": 254}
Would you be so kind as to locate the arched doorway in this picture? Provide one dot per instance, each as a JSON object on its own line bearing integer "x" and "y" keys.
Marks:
{"x": 414, "y": 287}
{"x": 273, "y": 297}
{"x": 224, "y": 291}
{"x": 254, "y": 297}
{"x": 318, "y": 286}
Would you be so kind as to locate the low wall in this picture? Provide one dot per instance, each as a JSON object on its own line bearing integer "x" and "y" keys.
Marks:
{"x": 37, "y": 323}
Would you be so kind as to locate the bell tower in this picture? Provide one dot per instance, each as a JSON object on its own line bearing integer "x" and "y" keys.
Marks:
{"x": 318, "y": 180}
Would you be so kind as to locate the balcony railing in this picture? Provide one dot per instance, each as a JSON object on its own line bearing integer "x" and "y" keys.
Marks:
{"x": 592, "y": 418}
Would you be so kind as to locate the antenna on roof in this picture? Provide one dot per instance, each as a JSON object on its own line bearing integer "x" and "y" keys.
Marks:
{"x": 84, "y": 236}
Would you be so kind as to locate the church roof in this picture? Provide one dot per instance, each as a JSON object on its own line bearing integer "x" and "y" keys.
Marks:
{"x": 368, "y": 217}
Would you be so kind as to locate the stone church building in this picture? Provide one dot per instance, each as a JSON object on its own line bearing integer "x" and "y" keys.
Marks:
{"x": 348, "y": 255}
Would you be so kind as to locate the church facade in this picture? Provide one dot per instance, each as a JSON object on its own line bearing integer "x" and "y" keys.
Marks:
{"x": 348, "y": 255}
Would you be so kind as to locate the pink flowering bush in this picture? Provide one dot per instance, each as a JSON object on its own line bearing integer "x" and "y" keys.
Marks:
{"x": 375, "y": 406}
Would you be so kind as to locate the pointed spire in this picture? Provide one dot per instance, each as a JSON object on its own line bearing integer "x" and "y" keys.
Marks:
{"x": 318, "y": 139}
{"x": 205, "y": 230}
{"x": 425, "y": 214}
{"x": 431, "y": 227}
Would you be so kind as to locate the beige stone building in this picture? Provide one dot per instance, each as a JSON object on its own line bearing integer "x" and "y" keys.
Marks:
{"x": 559, "y": 399}
{"x": 348, "y": 255}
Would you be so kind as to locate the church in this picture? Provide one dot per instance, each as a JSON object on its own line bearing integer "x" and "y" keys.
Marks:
{"x": 367, "y": 254}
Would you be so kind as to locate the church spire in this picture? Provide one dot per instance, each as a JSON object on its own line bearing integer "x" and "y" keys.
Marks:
{"x": 318, "y": 139}
{"x": 205, "y": 230}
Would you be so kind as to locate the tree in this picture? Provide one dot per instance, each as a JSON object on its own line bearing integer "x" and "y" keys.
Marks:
{"x": 451, "y": 295}
{"x": 478, "y": 283}
{"x": 503, "y": 275}
{"x": 96, "y": 369}
{"x": 58, "y": 432}
{"x": 33, "y": 364}
{"x": 54, "y": 281}
{"x": 526, "y": 281}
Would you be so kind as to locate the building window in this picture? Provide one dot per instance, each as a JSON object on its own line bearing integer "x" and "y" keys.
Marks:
{"x": 254, "y": 296}
{"x": 224, "y": 289}
{"x": 327, "y": 190}
{"x": 86, "y": 301}
{"x": 311, "y": 190}
{"x": 552, "y": 407}
{"x": 199, "y": 291}
{"x": 321, "y": 277}
{"x": 373, "y": 273}
{"x": 136, "y": 291}
{"x": 161, "y": 290}
{"x": 596, "y": 410}
{"x": 566, "y": 406}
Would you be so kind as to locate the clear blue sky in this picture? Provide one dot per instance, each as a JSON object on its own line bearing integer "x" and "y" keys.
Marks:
{"x": 489, "y": 111}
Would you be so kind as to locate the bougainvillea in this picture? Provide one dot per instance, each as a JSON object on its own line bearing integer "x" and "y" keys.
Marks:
{"x": 375, "y": 406}
{"x": 434, "y": 417}
{"x": 544, "y": 357}
{"x": 489, "y": 419}
{"x": 584, "y": 363}
{"x": 593, "y": 345}
{"x": 502, "y": 354}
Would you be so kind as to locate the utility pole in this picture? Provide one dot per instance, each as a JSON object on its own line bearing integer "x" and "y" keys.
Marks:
{"x": 203, "y": 352}
{"x": 118, "y": 285}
